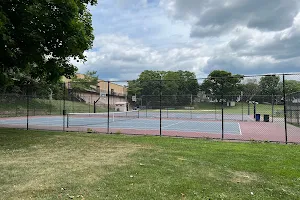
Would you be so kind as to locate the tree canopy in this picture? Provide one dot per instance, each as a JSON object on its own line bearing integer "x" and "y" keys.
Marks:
{"x": 292, "y": 86}
{"x": 221, "y": 83}
{"x": 89, "y": 81}
{"x": 178, "y": 84}
{"x": 39, "y": 37}
{"x": 250, "y": 88}
{"x": 269, "y": 85}
{"x": 168, "y": 82}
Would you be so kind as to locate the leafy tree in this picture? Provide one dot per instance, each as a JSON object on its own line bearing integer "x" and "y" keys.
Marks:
{"x": 167, "y": 82}
{"x": 175, "y": 86}
{"x": 292, "y": 86}
{"x": 133, "y": 89}
{"x": 171, "y": 84}
{"x": 188, "y": 83}
{"x": 250, "y": 89}
{"x": 89, "y": 81}
{"x": 269, "y": 85}
{"x": 25, "y": 85}
{"x": 220, "y": 83}
{"x": 149, "y": 82}
{"x": 39, "y": 37}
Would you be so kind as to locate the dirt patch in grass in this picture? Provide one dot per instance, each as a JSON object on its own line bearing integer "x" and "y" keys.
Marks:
{"x": 60, "y": 165}
{"x": 242, "y": 177}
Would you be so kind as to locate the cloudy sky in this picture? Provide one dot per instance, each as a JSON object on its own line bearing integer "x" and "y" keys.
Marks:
{"x": 241, "y": 36}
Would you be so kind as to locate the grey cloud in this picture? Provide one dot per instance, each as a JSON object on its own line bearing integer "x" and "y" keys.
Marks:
{"x": 208, "y": 31}
{"x": 237, "y": 65}
{"x": 280, "y": 16}
{"x": 280, "y": 46}
{"x": 215, "y": 17}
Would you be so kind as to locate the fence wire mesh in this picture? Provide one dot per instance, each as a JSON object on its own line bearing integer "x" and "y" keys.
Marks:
{"x": 265, "y": 108}
{"x": 293, "y": 108}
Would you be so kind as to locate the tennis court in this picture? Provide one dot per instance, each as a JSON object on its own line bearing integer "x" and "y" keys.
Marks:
{"x": 121, "y": 121}
{"x": 180, "y": 124}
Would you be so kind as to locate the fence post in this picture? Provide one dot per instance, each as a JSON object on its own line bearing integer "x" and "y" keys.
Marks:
{"x": 146, "y": 107}
{"x": 254, "y": 110}
{"x": 272, "y": 108}
{"x": 108, "y": 96}
{"x": 284, "y": 104}
{"x": 191, "y": 111}
{"x": 215, "y": 108}
{"x": 222, "y": 99}
{"x": 160, "y": 94}
{"x": 297, "y": 112}
{"x": 242, "y": 107}
{"x": 16, "y": 103}
{"x": 249, "y": 107}
{"x": 50, "y": 107}
{"x": 27, "y": 112}
{"x": 90, "y": 102}
{"x": 167, "y": 112}
{"x": 64, "y": 106}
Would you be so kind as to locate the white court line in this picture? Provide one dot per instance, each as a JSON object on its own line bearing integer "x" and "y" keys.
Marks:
{"x": 240, "y": 129}
{"x": 173, "y": 124}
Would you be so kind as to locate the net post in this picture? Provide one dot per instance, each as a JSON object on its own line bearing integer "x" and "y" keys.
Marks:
{"x": 108, "y": 96}
{"x": 67, "y": 120}
{"x": 284, "y": 107}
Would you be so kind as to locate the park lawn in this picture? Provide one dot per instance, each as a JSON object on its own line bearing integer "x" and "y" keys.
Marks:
{"x": 56, "y": 165}
{"x": 44, "y": 107}
{"x": 238, "y": 109}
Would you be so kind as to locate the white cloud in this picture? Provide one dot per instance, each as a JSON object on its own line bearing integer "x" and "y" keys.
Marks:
{"x": 241, "y": 36}
{"x": 123, "y": 58}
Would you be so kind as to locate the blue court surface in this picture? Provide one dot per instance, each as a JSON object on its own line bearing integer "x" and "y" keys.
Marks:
{"x": 195, "y": 115}
{"x": 180, "y": 125}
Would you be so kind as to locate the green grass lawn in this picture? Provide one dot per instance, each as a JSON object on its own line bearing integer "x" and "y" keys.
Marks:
{"x": 55, "y": 165}
{"x": 43, "y": 107}
{"x": 238, "y": 109}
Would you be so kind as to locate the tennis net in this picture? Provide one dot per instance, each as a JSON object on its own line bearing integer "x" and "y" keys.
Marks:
{"x": 85, "y": 119}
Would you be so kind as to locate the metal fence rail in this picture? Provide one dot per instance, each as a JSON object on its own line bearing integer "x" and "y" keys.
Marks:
{"x": 91, "y": 107}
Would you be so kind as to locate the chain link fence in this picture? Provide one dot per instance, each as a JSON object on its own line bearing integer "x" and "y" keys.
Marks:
{"x": 251, "y": 112}
{"x": 293, "y": 108}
